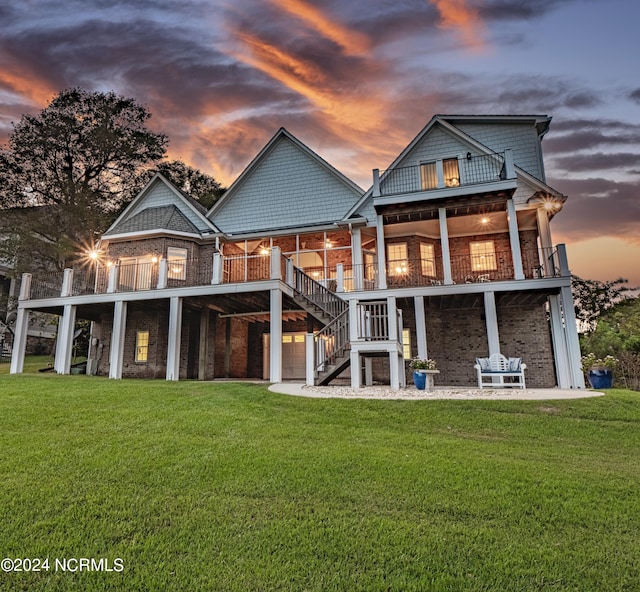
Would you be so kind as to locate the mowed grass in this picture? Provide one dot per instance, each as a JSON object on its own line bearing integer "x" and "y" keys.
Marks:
{"x": 225, "y": 486}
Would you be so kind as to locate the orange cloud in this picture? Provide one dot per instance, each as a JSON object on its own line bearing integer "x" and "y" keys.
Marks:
{"x": 27, "y": 86}
{"x": 346, "y": 107}
{"x": 457, "y": 15}
{"x": 352, "y": 42}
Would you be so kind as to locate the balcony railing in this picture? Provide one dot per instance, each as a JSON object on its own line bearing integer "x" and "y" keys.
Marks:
{"x": 469, "y": 269}
{"x": 496, "y": 266}
{"x": 473, "y": 170}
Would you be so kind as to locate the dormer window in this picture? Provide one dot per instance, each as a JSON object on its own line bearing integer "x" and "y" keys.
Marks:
{"x": 440, "y": 173}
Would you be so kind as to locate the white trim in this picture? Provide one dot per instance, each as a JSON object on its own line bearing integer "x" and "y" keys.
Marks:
{"x": 150, "y": 233}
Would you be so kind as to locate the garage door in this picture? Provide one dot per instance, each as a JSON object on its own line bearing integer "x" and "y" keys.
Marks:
{"x": 293, "y": 356}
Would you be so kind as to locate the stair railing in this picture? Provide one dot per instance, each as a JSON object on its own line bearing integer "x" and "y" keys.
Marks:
{"x": 331, "y": 342}
{"x": 315, "y": 293}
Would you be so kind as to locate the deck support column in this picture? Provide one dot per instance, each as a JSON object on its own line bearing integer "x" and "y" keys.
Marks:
{"x": 173, "y": 343}
{"x": 491, "y": 319}
{"x": 116, "y": 351}
{"x": 275, "y": 345}
{"x": 64, "y": 345}
{"x": 514, "y": 239}
{"x": 356, "y": 257}
{"x": 381, "y": 253}
{"x": 19, "y": 341}
{"x": 421, "y": 327}
{"x": 561, "y": 356}
{"x": 444, "y": 245}
{"x": 203, "y": 349}
{"x": 545, "y": 241}
{"x": 571, "y": 335}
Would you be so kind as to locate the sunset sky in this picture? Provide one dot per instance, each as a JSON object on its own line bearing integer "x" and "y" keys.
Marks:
{"x": 355, "y": 80}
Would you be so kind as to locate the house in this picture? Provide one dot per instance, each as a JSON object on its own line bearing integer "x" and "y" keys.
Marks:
{"x": 297, "y": 273}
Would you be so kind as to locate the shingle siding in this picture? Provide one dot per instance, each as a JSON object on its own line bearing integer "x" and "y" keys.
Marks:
{"x": 161, "y": 196}
{"x": 435, "y": 145}
{"x": 522, "y": 138}
{"x": 287, "y": 188}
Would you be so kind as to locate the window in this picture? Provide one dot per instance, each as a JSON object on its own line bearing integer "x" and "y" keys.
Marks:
{"x": 177, "y": 263}
{"x": 483, "y": 256}
{"x": 135, "y": 273}
{"x": 406, "y": 344}
{"x": 428, "y": 175}
{"x": 142, "y": 346}
{"x": 427, "y": 260}
{"x": 397, "y": 257}
{"x": 451, "y": 173}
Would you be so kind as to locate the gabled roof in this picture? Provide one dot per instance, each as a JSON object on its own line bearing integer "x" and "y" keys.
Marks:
{"x": 446, "y": 122}
{"x": 287, "y": 185}
{"x": 161, "y": 206}
{"x": 162, "y": 218}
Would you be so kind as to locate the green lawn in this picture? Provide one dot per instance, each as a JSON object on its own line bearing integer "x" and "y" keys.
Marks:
{"x": 198, "y": 486}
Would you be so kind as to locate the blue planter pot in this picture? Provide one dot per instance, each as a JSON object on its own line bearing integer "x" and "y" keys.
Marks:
{"x": 600, "y": 378}
{"x": 420, "y": 380}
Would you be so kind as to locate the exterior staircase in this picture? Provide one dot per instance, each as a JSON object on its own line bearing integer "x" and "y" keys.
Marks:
{"x": 331, "y": 343}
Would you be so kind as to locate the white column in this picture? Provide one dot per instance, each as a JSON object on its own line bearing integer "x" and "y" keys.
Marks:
{"x": 376, "y": 183}
{"x": 275, "y": 350}
{"x": 564, "y": 262}
{"x": 163, "y": 273}
{"x": 112, "y": 282}
{"x": 339, "y": 277}
{"x": 25, "y": 287}
{"x": 216, "y": 272}
{"x": 491, "y": 319}
{"x": 67, "y": 283}
{"x": 289, "y": 272}
{"x": 368, "y": 371}
{"x": 514, "y": 239}
{"x": 381, "y": 254}
{"x": 276, "y": 267}
{"x": 173, "y": 342}
{"x": 356, "y": 259}
{"x": 355, "y": 369}
{"x": 509, "y": 167}
{"x": 444, "y": 245}
{"x": 203, "y": 347}
{"x": 64, "y": 344}
{"x": 311, "y": 362}
{"x": 544, "y": 231}
{"x": 573, "y": 344}
{"x": 116, "y": 351}
{"x": 19, "y": 339}
{"x": 421, "y": 326}
{"x": 561, "y": 356}
{"x": 392, "y": 318}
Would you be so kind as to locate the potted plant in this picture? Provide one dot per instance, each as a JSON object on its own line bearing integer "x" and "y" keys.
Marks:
{"x": 599, "y": 370}
{"x": 423, "y": 371}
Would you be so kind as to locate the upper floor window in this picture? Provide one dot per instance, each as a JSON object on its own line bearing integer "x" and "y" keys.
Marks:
{"x": 427, "y": 260}
{"x": 135, "y": 273}
{"x": 430, "y": 176}
{"x": 177, "y": 263}
{"x": 451, "y": 172}
{"x": 397, "y": 258}
{"x": 483, "y": 256}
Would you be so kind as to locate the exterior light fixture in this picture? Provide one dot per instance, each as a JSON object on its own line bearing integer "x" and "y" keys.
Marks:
{"x": 154, "y": 259}
{"x": 484, "y": 220}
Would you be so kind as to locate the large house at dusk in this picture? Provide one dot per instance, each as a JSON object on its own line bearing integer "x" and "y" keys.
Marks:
{"x": 297, "y": 273}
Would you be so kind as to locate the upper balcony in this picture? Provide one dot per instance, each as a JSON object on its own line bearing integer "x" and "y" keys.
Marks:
{"x": 450, "y": 177}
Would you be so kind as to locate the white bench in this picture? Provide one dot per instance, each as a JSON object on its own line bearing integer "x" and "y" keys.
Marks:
{"x": 498, "y": 366}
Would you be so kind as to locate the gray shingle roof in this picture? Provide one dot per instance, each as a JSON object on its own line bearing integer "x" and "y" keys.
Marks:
{"x": 162, "y": 218}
